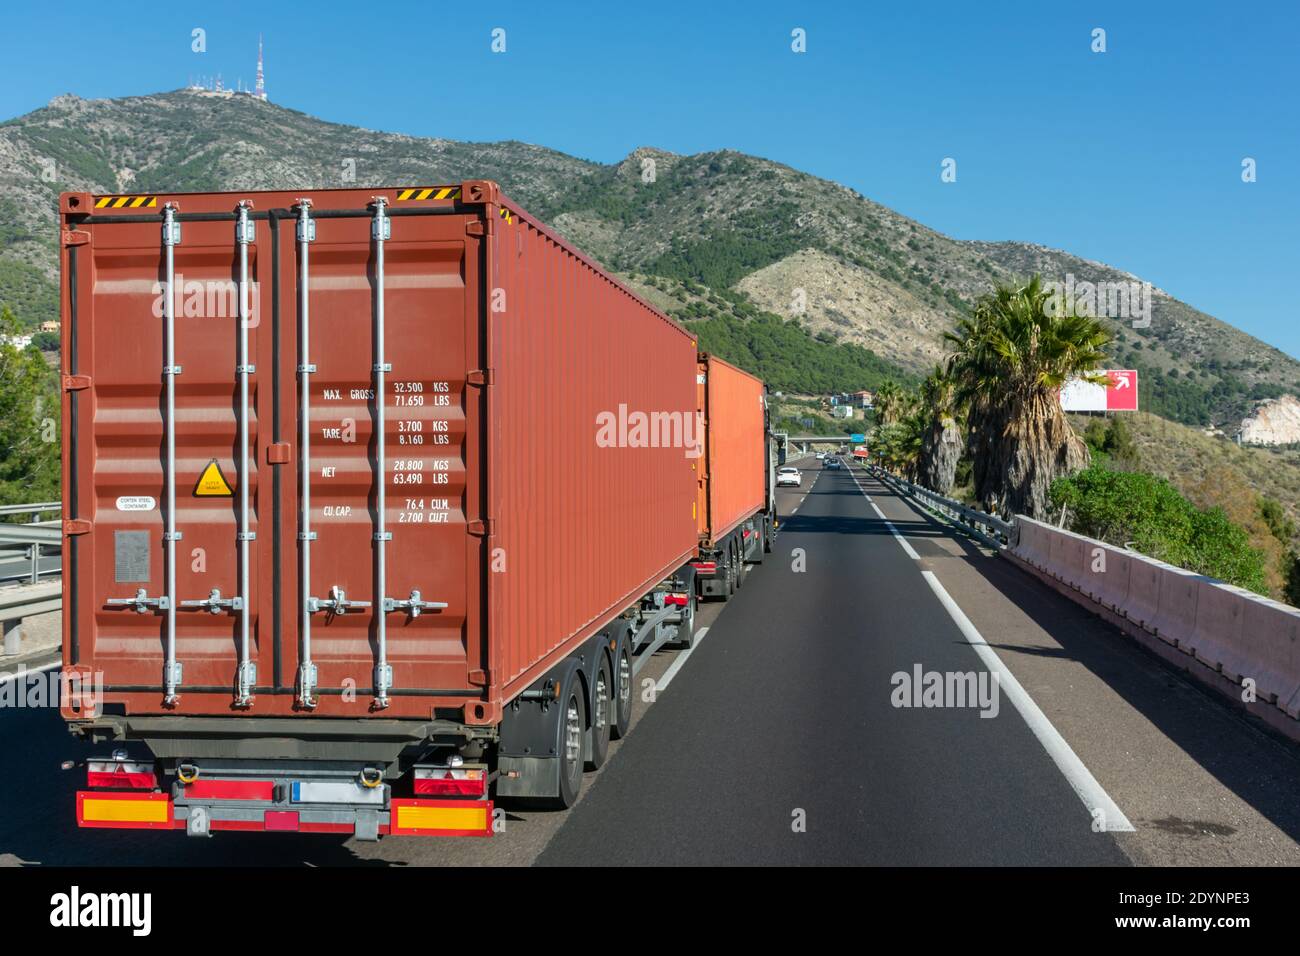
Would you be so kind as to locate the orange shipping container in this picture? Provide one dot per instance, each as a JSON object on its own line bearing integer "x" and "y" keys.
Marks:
{"x": 733, "y": 470}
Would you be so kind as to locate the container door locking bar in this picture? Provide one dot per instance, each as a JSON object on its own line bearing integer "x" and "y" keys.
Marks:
{"x": 381, "y": 230}
{"x": 171, "y": 237}
{"x": 246, "y": 677}
{"x": 306, "y": 234}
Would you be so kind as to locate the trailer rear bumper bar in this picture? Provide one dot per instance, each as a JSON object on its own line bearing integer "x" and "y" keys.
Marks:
{"x": 127, "y": 810}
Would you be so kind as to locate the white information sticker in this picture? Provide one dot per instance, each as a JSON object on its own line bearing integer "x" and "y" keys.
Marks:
{"x": 136, "y": 503}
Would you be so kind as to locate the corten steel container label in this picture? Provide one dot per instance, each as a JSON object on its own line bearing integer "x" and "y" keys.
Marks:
{"x": 505, "y": 348}
{"x": 732, "y": 485}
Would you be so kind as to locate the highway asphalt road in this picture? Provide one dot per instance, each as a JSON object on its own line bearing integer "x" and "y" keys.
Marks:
{"x": 778, "y": 739}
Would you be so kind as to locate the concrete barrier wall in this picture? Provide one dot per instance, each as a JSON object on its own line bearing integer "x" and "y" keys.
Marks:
{"x": 1240, "y": 636}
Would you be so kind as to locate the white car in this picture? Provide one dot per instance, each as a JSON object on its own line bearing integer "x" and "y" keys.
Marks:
{"x": 821, "y": 456}
{"x": 788, "y": 476}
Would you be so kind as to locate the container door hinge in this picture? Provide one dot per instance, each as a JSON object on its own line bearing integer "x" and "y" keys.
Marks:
{"x": 480, "y": 227}
{"x": 75, "y": 237}
{"x": 75, "y": 383}
{"x": 479, "y": 376}
{"x": 277, "y": 453}
{"x": 479, "y": 678}
{"x": 76, "y": 526}
{"x": 481, "y": 526}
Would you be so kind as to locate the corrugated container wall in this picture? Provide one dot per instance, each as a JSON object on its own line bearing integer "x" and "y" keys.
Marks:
{"x": 501, "y": 349}
{"x": 733, "y": 484}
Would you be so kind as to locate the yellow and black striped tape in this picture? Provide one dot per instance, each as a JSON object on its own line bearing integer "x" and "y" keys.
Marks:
{"x": 126, "y": 202}
{"x": 505, "y": 214}
{"x": 431, "y": 192}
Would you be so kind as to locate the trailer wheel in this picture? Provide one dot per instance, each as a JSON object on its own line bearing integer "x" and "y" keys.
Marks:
{"x": 769, "y": 533}
{"x": 622, "y": 693}
{"x": 573, "y": 720}
{"x": 602, "y": 708}
{"x": 738, "y": 544}
{"x": 760, "y": 545}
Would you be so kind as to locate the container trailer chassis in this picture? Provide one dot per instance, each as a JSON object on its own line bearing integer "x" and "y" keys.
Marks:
{"x": 367, "y": 777}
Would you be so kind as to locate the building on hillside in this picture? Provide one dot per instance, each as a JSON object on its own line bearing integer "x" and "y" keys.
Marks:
{"x": 50, "y": 325}
{"x": 844, "y": 411}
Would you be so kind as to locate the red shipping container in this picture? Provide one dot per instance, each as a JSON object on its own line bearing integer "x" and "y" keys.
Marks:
{"x": 501, "y": 352}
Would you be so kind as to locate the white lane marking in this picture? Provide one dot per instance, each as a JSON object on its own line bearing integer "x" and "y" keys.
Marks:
{"x": 676, "y": 665}
{"x": 6, "y": 678}
{"x": 894, "y": 531}
{"x": 1099, "y": 803}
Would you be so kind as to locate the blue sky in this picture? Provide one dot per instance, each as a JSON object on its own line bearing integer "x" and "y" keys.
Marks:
{"x": 1131, "y": 157}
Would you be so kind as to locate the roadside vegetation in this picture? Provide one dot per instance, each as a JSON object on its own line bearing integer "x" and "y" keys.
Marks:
{"x": 29, "y": 421}
{"x": 988, "y": 427}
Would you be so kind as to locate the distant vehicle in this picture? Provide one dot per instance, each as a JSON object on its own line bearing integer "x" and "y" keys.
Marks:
{"x": 832, "y": 463}
{"x": 821, "y": 456}
{"x": 789, "y": 476}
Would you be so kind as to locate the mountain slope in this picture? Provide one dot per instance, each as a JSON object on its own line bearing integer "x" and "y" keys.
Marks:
{"x": 722, "y": 234}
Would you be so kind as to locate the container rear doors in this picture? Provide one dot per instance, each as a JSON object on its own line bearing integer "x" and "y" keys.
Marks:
{"x": 352, "y": 318}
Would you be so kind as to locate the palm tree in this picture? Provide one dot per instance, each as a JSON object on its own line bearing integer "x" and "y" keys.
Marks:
{"x": 1009, "y": 361}
{"x": 890, "y": 402}
{"x": 898, "y": 444}
{"x": 941, "y": 437}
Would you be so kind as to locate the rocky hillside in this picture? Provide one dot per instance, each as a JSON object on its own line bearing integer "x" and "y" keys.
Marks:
{"x": 1275, "y": 422}
{"x": 715, "y": 236}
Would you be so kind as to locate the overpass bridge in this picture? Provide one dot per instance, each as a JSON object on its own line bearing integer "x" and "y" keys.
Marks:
{"x": 802, "y": 443}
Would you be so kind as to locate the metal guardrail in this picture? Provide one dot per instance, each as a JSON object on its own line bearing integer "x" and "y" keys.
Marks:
{"x": 47, "y": 534}
{"x": 990, "y": 529}
{"x": 34, "y": 509}
{"x": 26, "y": 601}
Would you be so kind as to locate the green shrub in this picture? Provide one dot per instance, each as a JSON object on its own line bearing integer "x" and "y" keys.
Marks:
{"x": 1150, "y": 514}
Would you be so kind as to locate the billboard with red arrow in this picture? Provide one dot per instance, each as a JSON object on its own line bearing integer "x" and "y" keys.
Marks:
{"x": 1120, "y": 395}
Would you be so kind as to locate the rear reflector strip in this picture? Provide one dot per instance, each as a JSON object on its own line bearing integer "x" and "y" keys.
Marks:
{"x": 281, "y": 821}
{"x": 230, "y": 790}
{"x": 440, "y": 818}
{"x": 705, "y": 567}
{"x": 151, "y": 811}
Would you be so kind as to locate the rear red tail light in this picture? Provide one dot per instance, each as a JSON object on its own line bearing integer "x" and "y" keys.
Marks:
{"x": 705, "y": 567}
{"x": 681, "y": 600}
{"x": 120, "y": 775}
{"x": 450, "y": 782}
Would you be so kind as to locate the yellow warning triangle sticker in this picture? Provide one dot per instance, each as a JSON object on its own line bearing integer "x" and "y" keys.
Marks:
{"x": 212, "y": 483}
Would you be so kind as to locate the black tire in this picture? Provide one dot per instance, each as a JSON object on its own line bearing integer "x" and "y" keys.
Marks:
{"x": 760, "y": 532}
{"x": 769, "y": 534}
{"x": 602, "y": 710}
{"x": 624, "y": 693}
{"x": 573, "y": 720}
{"x": 739, "y": 549}
{"x": 728, "y": 572}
